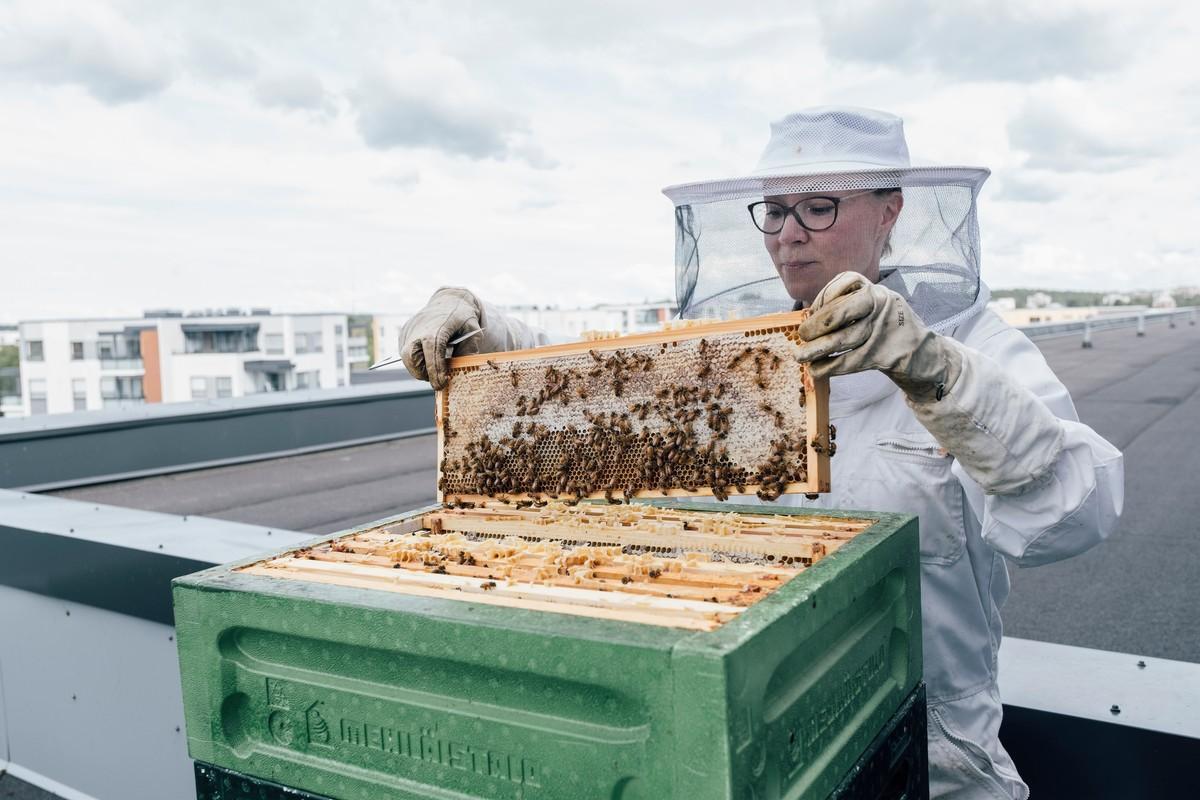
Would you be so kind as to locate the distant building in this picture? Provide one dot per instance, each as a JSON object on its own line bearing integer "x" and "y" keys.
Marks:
{"x": 1163, "y": 300}
{"x": 571, "y": 323}
{"x": 358, "y": 344}
{"x": 385, "y": 328}
{"x": 1003, "y": 304}
{"x": 1116, "y": 299}
{"x": 10, "y": 373}
{"x": 73, "y": 365}
{"x": 1038, "y": 300}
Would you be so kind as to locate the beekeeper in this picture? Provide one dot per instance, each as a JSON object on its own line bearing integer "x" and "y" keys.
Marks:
{"x": 942, "y": 409}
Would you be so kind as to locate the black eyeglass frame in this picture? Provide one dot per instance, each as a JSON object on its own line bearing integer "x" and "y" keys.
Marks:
{"x": 837, "y": 201}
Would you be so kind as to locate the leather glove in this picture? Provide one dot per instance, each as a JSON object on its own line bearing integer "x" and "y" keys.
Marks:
{"x": 453, "y": 312}
{"x": 857, "y": 325}
{"x": 1004, "y": 437}
{"x": 450, "y": 313}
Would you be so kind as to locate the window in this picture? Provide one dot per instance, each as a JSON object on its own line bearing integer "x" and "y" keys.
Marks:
{"x": 33, "y": 352}
{"x": 337, "y": 330}
{"x": 79, "y": 390}
{"x": 37, "y": 394}
{"x": 308, "y": 380}
{"x": 77, "y": 351}
{"x": 117, "y": 391}
{"x": 274, "y": 343}
{"x": 120, "y": 348}
{"x": 224, "y": 387}
{"x": 236, "y": 340}
{"x": 308, "y": 342}
{"x": 199, "y": 387}
{"x": 341, "y": 357}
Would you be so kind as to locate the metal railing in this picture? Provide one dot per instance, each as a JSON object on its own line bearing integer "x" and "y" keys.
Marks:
{"x": 1085, "y": 327}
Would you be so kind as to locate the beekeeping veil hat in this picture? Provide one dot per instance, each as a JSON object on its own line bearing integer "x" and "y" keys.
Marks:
{"x": 722, "y": 267}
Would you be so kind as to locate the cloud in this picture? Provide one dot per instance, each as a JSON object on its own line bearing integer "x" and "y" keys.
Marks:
{"x": 432, "y": 101}
{"x": 87, "y": 46}
{"x": 974, "y": 39}
{"x": 221, "y": 58}
{"x": 400, "y": 180}
{"x": 1066, "y": 137}
{"x": 295, "y": 91}
{"x": 1016, "y": 188}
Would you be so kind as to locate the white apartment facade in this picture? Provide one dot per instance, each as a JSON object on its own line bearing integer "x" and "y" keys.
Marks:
{"x": 559, "y": 323}
{"x": 571, "y": 323}
{"x": 386, "y": 330}
{"x": 73, "y": 365}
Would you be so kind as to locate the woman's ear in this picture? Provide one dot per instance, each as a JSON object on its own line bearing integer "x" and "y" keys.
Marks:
{"x": 891, "y": 208}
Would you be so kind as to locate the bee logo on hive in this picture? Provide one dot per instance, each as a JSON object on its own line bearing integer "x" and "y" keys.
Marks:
{"x": 318, "y": 729}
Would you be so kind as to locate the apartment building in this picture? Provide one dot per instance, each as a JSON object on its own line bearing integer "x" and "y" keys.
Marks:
{"x": 164, "y": 357}
{"x": 564, "y": 324}
{"x": 10, "y": 372}
{"x": 385, "y": 328}
{"x": 570, "y": 323}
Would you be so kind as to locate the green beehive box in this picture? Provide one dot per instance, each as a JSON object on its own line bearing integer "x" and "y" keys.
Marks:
{"x": 356, "y": 693}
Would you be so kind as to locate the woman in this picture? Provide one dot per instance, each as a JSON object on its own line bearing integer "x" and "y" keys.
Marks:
{"x": 942, "y": 409}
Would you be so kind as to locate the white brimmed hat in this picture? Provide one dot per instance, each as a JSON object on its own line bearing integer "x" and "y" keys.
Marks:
{"x": 722, "y": 267}
{"x": 830, "y": 148}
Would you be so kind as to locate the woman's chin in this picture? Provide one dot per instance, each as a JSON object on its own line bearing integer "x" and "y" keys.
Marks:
{"x": 803, "y": 291}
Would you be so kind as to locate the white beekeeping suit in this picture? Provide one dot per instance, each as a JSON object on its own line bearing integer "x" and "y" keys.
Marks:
{"x": 952, "y": 415}
{"x": 888, "y": 461}
{"x": 942, "y": 410}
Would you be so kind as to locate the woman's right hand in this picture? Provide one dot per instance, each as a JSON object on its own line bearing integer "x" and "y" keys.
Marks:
{"x": 451, "y": 312}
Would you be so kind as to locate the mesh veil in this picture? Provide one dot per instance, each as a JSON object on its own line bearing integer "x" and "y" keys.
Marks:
{"x": 723, "y": 269}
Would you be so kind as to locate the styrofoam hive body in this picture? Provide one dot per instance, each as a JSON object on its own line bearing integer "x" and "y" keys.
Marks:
{"x": 355, "y": 693}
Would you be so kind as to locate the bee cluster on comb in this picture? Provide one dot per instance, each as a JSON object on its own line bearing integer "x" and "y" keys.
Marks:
{"x": 718, "y": 409}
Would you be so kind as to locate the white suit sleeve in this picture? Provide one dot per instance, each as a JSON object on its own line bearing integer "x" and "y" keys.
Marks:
{"x": 1044, "y": 485}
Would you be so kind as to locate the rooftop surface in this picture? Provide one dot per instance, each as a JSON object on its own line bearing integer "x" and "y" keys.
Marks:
{"x": 1136, "y": 593}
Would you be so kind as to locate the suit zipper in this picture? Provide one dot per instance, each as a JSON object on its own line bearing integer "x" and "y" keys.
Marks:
{"x": 908, "y": 447}
{"x": 955, "y": 742}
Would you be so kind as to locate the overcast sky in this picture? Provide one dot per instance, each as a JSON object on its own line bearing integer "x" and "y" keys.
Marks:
{"x": 356, "y": 155}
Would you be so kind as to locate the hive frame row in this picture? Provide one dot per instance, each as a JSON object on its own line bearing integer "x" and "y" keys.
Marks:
{"x": 333, "y": 562}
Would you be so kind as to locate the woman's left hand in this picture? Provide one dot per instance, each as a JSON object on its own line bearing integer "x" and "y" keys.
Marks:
{"x": 856, "y": 325}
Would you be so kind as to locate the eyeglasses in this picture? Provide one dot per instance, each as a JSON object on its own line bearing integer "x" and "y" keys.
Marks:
{"x": 813, "y": 213}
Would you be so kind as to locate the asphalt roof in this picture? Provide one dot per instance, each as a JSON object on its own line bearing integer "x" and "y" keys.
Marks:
{"x": 1136, "y": 593}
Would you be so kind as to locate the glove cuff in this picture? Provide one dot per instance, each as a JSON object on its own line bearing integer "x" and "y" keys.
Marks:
{"x": 1004, "y": 437}
{"x": 932, "y": 370}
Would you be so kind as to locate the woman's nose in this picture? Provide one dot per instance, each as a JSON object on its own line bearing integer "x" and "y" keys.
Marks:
{"x": 792, "y": 230}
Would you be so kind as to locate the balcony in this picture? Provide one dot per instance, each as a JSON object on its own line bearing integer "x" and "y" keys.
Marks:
{"x": 115, "y": 363}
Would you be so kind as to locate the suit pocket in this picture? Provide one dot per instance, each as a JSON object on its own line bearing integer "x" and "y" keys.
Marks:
{"x": 916, "y": 473}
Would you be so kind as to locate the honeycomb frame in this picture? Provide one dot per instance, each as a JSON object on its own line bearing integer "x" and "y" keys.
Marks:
{"x": 600, "y": 405}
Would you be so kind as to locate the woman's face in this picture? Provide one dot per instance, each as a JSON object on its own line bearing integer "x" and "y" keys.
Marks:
{"x": 806, "y": 260}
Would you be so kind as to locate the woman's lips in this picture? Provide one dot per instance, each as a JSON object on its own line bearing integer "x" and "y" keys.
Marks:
{"x": 797, "y": 264}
